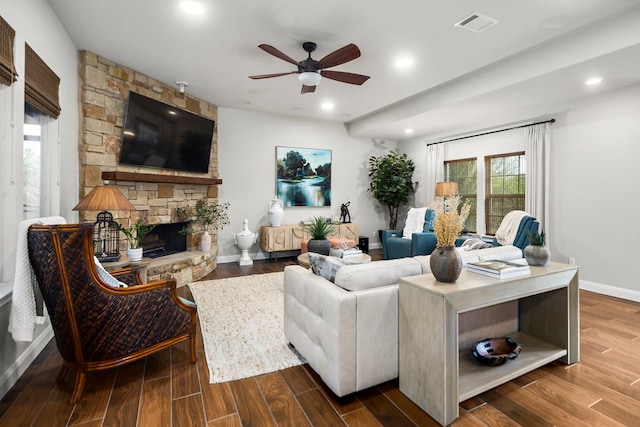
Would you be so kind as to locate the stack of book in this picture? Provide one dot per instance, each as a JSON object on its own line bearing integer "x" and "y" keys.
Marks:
{"x": 346, "y": 253}
{"x": 499, "y": 269}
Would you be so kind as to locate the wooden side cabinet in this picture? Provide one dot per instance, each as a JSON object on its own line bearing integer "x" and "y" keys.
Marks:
{"x": 290, "y": 237}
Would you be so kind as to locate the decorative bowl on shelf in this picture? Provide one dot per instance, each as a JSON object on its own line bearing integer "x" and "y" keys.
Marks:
{"x": 495, "y": 351}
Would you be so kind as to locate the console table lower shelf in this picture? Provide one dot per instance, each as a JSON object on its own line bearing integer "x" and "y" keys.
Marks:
{"x": 439, "y": 323}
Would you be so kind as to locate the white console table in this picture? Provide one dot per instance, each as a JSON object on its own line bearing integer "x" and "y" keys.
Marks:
{"x": 438, "y": 324}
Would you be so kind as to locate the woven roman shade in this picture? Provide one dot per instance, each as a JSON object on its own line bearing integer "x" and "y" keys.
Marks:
{"x": 7, "y": 68}
{"x": 41, "y": 85}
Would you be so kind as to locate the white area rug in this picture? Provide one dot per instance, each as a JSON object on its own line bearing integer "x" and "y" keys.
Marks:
{"x": 242, "y": 326}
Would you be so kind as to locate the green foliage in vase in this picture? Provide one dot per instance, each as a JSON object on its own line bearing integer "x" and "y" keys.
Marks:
{"x": 136, "y": 232}
{"x": 319, "y": 228}
{"x": 206, "y": 215}
{"x": 391, "y": 182}
{"x": 536, "y": 239}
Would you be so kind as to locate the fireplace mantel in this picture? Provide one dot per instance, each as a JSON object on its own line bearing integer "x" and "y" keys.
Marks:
{"x": 165, "y": 179}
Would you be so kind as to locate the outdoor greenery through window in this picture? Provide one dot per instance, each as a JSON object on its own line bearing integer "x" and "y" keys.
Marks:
{"x": 465, "y": 173}
{"x": 505, "y": 187}
{"x": 32, "y": 163}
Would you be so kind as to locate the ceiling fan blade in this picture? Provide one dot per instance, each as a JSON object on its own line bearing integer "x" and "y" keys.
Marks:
{"x": 340, "y": 56}
{"x": 341, "y": 76}
{"x": 307, "y": 89}
{"x": 275, "y": 52}
{"x": 268, "y": 76}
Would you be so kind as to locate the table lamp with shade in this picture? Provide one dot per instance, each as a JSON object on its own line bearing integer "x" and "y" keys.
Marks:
{"x": 106, "y": 231}
{"x": 445, "y": 189}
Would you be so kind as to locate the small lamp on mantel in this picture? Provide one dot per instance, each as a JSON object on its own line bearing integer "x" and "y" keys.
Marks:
{"x": 106, "y": 232}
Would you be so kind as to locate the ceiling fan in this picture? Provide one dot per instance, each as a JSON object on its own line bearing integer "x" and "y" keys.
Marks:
{"x": 310, "y": 71}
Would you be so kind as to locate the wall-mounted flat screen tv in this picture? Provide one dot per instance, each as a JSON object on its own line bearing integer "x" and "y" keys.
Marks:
{"x": 159, "y": 135}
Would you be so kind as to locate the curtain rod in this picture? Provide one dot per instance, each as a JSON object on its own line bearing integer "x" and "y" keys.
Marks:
{"x": 490, "y": 132}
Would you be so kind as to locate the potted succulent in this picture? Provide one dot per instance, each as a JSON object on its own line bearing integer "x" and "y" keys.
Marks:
{"x": 536, "y": 253}
{"x": 391, "y": 182}
{"x": 319, "y": 228}
{"x": 135, "y": 233}
{"x": 207, "y": 215}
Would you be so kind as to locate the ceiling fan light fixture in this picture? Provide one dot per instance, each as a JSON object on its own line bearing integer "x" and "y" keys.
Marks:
{"x": 309, "y": 78}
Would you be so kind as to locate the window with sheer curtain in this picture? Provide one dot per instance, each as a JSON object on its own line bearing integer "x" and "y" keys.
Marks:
{"x": 505, "y": 187}
{"x": 465, "y": 173}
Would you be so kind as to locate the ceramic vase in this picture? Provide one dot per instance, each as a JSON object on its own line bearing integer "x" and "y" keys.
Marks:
{"x": 205, "y": 242}
{"x": 537, "y": 255}
{"x": 446, "y": 264}
{"x": 275, "y": 212}
{"x": 134, "y": 254}
{"x": 244, "y": 240}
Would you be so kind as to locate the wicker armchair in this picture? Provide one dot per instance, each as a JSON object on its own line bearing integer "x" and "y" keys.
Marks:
{"x": 97, "y": 326}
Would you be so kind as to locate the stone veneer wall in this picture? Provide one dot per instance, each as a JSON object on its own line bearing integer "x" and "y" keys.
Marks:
{"x": 104, "y": 92}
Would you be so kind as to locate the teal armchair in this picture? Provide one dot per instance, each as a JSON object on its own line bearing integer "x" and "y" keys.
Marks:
{"x": 394, "y": 245}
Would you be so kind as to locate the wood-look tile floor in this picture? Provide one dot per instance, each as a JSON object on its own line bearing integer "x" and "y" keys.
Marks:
{"x": 166, "y": 390}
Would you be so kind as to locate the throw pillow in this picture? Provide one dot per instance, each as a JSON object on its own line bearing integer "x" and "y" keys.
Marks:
{"x": 106, "y": 277}
{"x": 325, "y": 266}
{"x": 474, "y": 243}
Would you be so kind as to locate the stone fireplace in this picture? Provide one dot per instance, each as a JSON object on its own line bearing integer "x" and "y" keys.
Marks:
{"x": 157, "y": 194}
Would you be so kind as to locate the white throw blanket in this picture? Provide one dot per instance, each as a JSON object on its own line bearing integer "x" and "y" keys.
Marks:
{"x": 506, "y": 232}
{"x": 23, "y": 305}
{"x": 414, "y": 222}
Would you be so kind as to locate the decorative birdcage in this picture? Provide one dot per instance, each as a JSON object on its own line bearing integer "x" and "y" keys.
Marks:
{"x": 106, "y": 238}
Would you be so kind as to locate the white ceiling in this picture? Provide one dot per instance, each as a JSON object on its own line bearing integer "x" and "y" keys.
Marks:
{"x": 522, "y": 68}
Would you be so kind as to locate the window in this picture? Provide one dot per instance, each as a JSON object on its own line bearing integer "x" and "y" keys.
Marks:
{"x": 465, "y": 173}
{"x": 32, "y": 162}
{"x": 505, "y": 187}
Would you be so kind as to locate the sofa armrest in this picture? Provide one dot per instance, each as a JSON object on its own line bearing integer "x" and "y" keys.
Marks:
{"x": 320, "y": 322}
{"x": 377, "y": 338}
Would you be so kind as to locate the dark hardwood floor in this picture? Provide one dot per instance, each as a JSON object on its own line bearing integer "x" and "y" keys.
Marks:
{"x": 166, "y": 390}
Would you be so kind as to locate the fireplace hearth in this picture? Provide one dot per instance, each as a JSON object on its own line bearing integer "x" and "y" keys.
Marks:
{"x": 164, "y": 239}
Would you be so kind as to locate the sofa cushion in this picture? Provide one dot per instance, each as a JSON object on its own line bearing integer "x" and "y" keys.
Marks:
{"x": 106, "y": 277}
{"x": 374, "y": 274}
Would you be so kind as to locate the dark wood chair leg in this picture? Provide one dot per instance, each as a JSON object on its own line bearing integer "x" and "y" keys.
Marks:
{"x": 64, "y": 369}
{"x": 81, "y": 377}
{"x": 192, "y": 349}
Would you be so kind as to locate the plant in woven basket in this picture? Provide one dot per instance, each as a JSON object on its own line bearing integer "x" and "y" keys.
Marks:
{"x": 451, "y": 214}
{"x": 136, "y": 232}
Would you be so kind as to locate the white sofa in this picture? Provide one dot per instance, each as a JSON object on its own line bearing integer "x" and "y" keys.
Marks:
{"x": 348, "y": 331}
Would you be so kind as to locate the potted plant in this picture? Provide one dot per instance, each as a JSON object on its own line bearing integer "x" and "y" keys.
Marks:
{"x": 536, "y": 253}
{"x": 207, "y": 215}
{"x": 319, "y": 228}
{"x": 391, "y": 182}
{"x": 445, "y": 261}
{"x": 135, "y": 233}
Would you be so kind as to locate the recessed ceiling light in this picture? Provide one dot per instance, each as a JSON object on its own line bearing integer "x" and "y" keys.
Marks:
{"x": 173, "y": 113}
{"x": 327, "y": 106}
{"x": 192, "y": 7}
{"x": 408, "y": 131}
{"x": 405, "y": 62}
{"x": 593, "y": 81}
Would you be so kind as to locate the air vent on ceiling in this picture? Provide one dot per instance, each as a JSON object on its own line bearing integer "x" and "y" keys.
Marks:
{"x": 477, "y": 23}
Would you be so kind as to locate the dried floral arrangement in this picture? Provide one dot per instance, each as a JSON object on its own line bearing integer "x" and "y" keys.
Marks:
{"x": 450, "y": 219}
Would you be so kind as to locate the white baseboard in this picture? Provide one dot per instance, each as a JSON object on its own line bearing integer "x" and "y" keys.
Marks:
{"x": 17, "y": 368}
{"x": 612, "y": 291}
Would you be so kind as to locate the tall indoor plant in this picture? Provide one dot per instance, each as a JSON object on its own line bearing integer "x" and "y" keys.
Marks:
{"x": 391, "y": 182}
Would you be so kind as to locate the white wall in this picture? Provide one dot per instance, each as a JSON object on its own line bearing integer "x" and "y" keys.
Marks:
{"x": 593, "y": 215}
{"x": 35, "y": 23}
{"x": 246, "y": 144}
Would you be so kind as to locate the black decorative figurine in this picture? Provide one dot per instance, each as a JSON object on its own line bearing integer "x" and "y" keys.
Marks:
{"x": 345, "y": 216}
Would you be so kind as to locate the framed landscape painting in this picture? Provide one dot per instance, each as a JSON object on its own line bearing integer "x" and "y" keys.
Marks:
{"x": 303, "y": 176}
